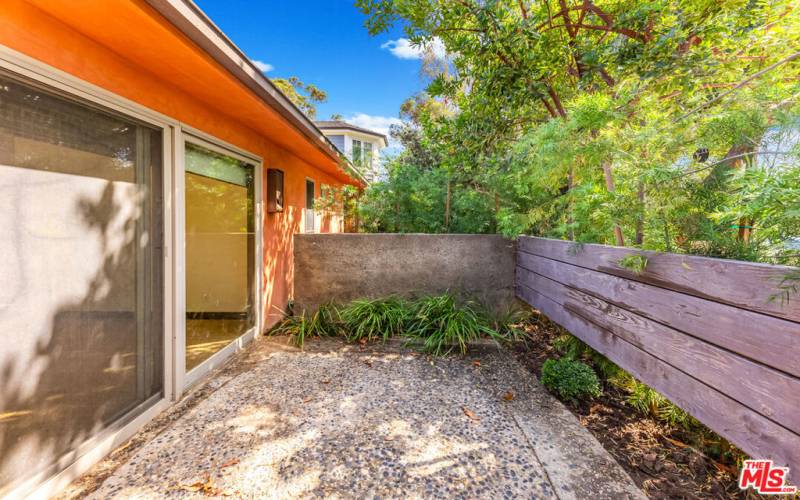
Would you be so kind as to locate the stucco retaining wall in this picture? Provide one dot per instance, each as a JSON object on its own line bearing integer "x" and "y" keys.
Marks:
{"x": 343, "y": 267}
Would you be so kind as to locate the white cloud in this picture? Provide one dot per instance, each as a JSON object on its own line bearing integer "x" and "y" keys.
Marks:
{"x": 403, "y": 49}
{"x": 379, "y": 124}
{"x": 262, "y": 66}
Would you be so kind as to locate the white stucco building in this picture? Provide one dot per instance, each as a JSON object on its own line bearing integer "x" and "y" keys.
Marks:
{"x": 362, "y": 146}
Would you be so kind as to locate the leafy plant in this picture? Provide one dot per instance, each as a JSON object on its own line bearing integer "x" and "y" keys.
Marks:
{"x": 635, "y": 263}
{"x": 650, "y": 402}
{"x": 374, "y": 319}
{"x": 571, "y": 347}
{"x": 324, "y": 322}
{"x": 509, "y": 323}
{"x": 789, "y": 285}
{"x": 444, "y": 324}
{"x": 571, "y": 380}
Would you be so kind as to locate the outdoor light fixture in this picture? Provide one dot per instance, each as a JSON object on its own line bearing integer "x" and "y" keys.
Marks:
{"x": 274, "y": 190}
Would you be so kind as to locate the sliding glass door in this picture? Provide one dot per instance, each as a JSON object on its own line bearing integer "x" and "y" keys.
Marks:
{"x": 220, "y": 251}
{"x": 81, "y": 267}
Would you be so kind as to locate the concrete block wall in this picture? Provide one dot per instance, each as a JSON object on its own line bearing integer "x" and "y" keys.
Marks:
{"x": 343, "y": 267}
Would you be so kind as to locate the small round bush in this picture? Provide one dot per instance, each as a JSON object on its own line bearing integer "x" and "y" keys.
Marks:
{"x": 570, "y": 379}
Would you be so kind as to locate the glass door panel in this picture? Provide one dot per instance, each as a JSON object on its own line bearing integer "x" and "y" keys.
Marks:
{"x": 220, "y": 252}
{"x": 81, "y": 266}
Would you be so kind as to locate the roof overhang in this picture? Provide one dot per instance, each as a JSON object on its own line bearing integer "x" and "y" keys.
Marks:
{"x": 196, "y": 25}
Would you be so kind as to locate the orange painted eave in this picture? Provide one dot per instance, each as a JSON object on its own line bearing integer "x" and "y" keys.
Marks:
{"x": 140, "y": 35}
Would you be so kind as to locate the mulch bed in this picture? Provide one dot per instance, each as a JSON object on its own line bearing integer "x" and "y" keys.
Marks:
{"x": 655, "y": 455}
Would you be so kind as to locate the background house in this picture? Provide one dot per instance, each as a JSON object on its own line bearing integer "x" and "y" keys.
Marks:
{"x": 362, "y": 146}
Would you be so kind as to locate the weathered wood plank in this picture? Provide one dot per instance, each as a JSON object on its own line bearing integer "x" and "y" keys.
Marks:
{"x": 772, "y": 341}
{"x": 747, "y": 285}
{"x": 755, "y": 434}
{"x": 771, "y": 393}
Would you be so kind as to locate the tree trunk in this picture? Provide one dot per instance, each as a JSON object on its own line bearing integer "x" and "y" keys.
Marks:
{"x": 570, "y": 184}
{"x": 447, "y": 208}
{"x": 667, "y": 237}
{"x": 734, "y": 159}
{"x": 640, "y": 218}
{"x": 610, "y": 188}
{"x": 496, "y": 209}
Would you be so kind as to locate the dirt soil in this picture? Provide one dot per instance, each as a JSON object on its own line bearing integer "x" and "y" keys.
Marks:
{"x": 655, "y": 455}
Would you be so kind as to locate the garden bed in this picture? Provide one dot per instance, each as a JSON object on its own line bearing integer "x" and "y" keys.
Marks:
{"x": 665, "y": 461}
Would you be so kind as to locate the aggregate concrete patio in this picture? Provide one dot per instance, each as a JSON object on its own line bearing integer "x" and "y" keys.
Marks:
{"x": 377, "y": 421}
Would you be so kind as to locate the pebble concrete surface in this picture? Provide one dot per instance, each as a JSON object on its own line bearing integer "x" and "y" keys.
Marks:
{"x": 377, "y": 421}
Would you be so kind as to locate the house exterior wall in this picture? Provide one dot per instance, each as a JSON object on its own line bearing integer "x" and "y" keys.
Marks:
{"x": 122, "y": 57}
{"x": 30, "y": 30}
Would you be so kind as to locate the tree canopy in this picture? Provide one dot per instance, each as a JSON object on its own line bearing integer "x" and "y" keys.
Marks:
{"x": 669, "y": 125}
{"x": 304, "y": 95}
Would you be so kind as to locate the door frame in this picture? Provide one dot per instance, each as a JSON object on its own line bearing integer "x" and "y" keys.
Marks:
{"x": 184, "y": 380}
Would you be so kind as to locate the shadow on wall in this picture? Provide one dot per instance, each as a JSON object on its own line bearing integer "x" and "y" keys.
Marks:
{"x": 279, "y": 230}
{"x": 97, "y": 361}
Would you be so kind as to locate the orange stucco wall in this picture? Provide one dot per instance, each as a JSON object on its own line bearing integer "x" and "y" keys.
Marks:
{"x": 125, "y": 47}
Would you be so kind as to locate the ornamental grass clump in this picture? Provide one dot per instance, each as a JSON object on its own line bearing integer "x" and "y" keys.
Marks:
{"x": 443, "y": 324}
{"x": 569, "y": 379}
{"x": 374, "y": 319}
{"x": 325, "y": 322}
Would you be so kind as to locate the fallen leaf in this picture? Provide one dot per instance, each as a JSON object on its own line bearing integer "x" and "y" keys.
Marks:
{"x": 362, "y": 341}
{"x": 508, "y": 396}
{"x": 476, "y": 362}
{"x": 192, "y": 487}
{"x": 726, "y": 468}
{"x": 229, "y": 463}
{"x": 471, "y": 414}
{"x": 207, "y": 486}
{"x": 676, "y": 442}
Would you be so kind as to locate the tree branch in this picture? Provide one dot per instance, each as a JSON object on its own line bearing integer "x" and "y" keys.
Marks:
{"x": 523, "y": 10}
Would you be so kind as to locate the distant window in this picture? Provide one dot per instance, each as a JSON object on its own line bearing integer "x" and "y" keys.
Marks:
{"x": 310, "y": 194}
{"x": 367, "y": 151}
{"x": 338, "y": 141}
{"x": 362, "y": 153}
{"x": 356, "y": 155}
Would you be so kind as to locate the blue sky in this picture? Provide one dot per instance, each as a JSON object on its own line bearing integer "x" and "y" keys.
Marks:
{"x": 324, "y": 42}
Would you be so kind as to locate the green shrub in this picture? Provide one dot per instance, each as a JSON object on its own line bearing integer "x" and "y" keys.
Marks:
{"x": 572, "y": 347}
{"x": 373, "y": 319}
{"x": 571, "y": 380}
{"x": 444, "y": 324}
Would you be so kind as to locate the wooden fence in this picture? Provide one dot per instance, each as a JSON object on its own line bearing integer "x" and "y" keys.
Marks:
{"x": 719, "y": 338}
